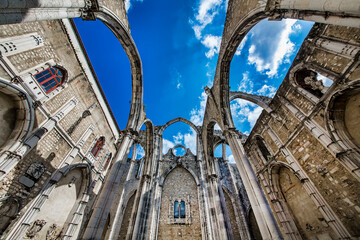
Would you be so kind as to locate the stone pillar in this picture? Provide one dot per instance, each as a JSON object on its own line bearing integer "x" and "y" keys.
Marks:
{"x": 155, "y": 207}
{"x": 8, "y": 161}
{"x": 202, "y": 167}
{"x": 262, "y": 212}
{"x": 45, "y": 192}
{"x": 96, "y": 225}
{"x": 14, "y": 45}
{"x": 118, "y": 218}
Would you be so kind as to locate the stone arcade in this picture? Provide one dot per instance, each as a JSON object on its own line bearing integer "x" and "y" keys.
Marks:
{"x": 296, "y": 175}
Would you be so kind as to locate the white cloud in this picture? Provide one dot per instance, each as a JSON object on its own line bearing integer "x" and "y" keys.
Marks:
{"x": 245, "y": 85}
{"x": 242, "y": 110}
{"x": 128, "y": 4}
{"x": 254, "y": 115}
{"x": 139, "y": 152}
{"x": 178, "y": 139}
{"x": 190, "y": 140}
{"x": 213, "y": 43}
{"x": 166, "y": 145}
{"x": 206, "y": 12}
{"x": 231, "y": 159}
{"x": 269, "y": 51}
{"x": 241, "y": 46}
{"x": 197, "y": 114}
{"x": 266, "y": 90}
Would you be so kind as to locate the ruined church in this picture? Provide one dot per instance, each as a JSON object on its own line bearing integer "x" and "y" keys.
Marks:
{"x": 66, "y": 171}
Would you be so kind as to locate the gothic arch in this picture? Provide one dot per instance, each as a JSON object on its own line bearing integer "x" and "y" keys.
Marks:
{"x": 121, "y": 32}
{"x": 171, "y": 168}
{"x": 299, "y": 72}
{"x": 299, "y": 207}
{"x": 175, "y": 120}
{"x": 261, "y": 101}
{"x": 263, "y": 149}
{"x": 18, "y": 119}
{"x": 252, "y": 15}
{"x": 342, "y": 119}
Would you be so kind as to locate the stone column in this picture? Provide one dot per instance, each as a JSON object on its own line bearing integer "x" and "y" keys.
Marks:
{"x": 9, "y": 161}
{"x": 96, "y": 225}
{"x": 155, "y": 207}
{"x": 262, "y": 212}
{"x": 25, "y": 222}
{"x": 202, "y": 167}
{"x": 14, "y": 45}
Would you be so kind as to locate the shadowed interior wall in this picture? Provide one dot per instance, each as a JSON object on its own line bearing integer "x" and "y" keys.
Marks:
{"x": 254, "y": 228}
{"x": 126, "y": 218}
{"x": 352, "y": 117}
{"x": 232, "y": 216}
{"x": 179, "y": 184}
{"x": 7, "y": 117}
{"x": 310, "y": 222}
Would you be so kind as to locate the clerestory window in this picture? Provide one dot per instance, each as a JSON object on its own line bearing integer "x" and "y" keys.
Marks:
{"x": 50, "y": 78}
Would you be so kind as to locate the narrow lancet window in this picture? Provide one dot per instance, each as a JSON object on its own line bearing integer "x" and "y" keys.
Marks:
{"x": 176, "y": 209}
{"x": 182, "y": 209}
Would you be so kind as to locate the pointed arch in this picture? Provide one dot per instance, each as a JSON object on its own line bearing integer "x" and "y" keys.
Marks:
{"x": 179, "y": 119}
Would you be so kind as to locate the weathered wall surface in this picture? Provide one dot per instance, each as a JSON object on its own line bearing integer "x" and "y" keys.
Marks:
{"x": 179, "y": 184}
{"x": 301, "y": 140}
{"x": 55, "y": 146}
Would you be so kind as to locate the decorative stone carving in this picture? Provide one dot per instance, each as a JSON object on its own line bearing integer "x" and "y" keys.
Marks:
{"x": 35, "y": 228}
{"x": 53, "y": 233}
{"x": 315, "y": 83}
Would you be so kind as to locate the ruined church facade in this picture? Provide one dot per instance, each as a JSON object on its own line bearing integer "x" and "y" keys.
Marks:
{"x": 65, "y": 167}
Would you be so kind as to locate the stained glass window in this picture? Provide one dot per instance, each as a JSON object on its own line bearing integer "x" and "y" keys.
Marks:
{"x": 50, "y": 78}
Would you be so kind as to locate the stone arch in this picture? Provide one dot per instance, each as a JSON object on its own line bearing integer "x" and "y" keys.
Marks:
{"x": 9, "y": 209}
{"x": 179, "y": 186}
{"x": 67, "y": 195}
{"x": 16, "y": 114}
{"x": 178, "y": 146}
{"x": 261, "y": 101}
{"x": 175, "y": 120}
{"x": 305, "y": 214}
{"x": 171, "y": 168}
{"x": 242, "y": 20}
{"x": 304, "y": 78}
{"x": 342, "y": 119}
{"x": 122, "y": 33}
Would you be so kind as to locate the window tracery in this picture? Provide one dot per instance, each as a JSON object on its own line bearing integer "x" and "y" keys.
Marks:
{"x": 50, "y": 78}
{"x": 98, "y": 146}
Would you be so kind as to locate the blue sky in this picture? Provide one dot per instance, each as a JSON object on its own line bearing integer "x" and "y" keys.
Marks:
{"x": 178, "y": 42}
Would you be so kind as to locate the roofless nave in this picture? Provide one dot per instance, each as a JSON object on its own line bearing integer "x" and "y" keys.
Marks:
{"x": 65, "y": 169}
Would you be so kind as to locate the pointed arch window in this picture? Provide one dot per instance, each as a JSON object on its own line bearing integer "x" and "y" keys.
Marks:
{"x": 50, "y": 78}
{"x": 107, "y": 161}
{"x": 98, "y": 146}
